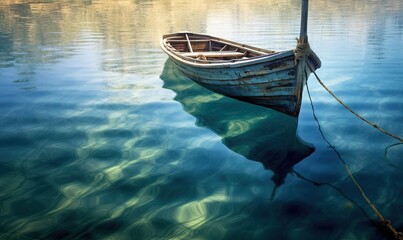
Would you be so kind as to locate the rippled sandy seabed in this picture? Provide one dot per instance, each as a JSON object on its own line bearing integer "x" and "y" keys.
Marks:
{"x": 102, "y": 138}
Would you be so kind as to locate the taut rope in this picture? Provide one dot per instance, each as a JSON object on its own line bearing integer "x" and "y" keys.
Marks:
{"x": 351, "y": 110}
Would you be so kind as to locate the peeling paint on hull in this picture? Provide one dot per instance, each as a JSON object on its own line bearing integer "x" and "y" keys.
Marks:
{"x": 270, "y": 80}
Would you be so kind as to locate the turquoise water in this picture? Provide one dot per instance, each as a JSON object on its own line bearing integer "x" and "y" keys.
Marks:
{"x": 101, "y": 138}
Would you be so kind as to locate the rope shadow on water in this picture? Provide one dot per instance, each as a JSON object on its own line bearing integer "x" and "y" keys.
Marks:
{"x": 385, "y": 224}
{"x": 385, "y": 156}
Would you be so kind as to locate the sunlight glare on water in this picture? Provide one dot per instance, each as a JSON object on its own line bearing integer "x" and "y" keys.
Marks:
{"x": 102, "y": 138}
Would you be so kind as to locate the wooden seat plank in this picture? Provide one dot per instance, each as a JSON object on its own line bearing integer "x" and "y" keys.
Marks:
{"x": 214, "y": 54}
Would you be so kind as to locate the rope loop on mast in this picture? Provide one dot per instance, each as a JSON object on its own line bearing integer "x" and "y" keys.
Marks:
{"x": 303, "y": 49}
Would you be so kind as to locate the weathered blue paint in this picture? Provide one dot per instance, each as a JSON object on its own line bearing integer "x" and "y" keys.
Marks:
{"x": 272, "y": 79}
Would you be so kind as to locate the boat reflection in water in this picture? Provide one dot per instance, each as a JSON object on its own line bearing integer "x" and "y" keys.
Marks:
{"x": 258, "y": 133}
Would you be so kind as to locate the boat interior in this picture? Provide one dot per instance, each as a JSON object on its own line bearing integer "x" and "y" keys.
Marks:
{"x": 204, "y": 48}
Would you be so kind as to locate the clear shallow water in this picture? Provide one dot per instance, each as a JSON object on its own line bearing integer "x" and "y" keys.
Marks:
{"x": 101, "y": 138}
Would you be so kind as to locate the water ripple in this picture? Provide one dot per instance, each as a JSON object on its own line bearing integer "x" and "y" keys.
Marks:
{"x": 94, "y": 144}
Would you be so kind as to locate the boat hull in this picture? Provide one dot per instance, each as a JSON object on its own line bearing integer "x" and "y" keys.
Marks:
{"x": 273, "y": 80}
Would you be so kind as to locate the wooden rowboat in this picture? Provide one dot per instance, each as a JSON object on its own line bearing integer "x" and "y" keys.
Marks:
{"x": 273, "y": 79}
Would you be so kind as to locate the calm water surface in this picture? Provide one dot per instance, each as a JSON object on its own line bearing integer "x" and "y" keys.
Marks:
{"x": 101, "y": 138}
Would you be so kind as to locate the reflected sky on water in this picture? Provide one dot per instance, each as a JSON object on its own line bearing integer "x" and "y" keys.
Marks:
{"x": 102, "y": 139}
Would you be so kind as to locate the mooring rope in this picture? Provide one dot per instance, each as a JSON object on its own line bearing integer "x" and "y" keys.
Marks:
{"x": 385, "y": 222}
{"x": 303, "y": 49}
{"x": 351, "y": 110}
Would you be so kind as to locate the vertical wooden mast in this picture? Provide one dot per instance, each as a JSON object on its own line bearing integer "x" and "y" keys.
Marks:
{"x": 303, "y": 37}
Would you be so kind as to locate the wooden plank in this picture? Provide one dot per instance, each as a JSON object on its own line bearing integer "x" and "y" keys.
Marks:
{"x": 191, "y": 40}
{"x": 189, "y": 45}
{"x": 222, "y": 49}
{"x": 214, "y": 54}
{"x": 173, "y": 41}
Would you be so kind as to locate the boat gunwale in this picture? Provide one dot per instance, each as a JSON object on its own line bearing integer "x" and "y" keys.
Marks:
{"x": 270, "y": 56}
